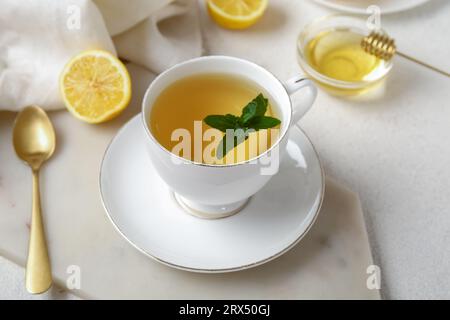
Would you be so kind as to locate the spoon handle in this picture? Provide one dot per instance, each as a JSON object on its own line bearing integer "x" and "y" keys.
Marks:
{"x": 38, "y": 273}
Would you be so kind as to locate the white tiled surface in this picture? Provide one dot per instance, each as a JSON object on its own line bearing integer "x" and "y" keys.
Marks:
{"x": 12, "y": 285}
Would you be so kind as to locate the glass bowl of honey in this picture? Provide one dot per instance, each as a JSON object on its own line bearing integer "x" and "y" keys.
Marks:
{"x": 329, "y": 51}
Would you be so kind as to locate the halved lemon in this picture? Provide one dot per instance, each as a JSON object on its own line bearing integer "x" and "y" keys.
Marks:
{"x": 236, "y": 14}
{"x": 95, "y": 86}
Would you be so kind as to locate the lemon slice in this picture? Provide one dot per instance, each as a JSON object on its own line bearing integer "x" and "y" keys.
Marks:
{"x": 236, "y": 14}
{"x": 95, "y": 86}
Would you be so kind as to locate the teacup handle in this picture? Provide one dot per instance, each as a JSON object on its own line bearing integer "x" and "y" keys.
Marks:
{"x": 295, "y": 84}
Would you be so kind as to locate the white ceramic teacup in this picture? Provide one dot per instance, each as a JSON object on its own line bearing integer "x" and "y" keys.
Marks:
{"x": 215, "y": 191}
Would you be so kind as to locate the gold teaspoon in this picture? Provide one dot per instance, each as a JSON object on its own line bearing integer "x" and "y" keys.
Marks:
{"x": 34, "y": 142}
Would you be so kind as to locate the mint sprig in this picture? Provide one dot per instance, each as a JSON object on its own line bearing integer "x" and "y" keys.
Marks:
{"x": 239, "y": 128}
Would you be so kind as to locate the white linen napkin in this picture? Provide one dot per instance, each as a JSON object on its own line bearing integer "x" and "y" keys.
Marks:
{"x": 37, "y": 38}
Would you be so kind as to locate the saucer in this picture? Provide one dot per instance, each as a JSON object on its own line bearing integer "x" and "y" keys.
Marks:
{"x": 145, "y": 212}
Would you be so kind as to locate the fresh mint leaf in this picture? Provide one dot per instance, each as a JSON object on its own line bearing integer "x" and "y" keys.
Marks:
{"x": 264, "y": 122}
{"x": 222, "y": 122}
{"x": 255, "y": 108}
{"x": 236, "y": 137}
{"x": 238, "y": 128}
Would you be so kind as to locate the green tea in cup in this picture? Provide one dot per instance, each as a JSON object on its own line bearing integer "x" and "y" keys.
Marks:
{"x": 187, "y": 102}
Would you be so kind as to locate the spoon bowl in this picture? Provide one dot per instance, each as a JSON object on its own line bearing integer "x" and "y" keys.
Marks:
{"x": 34, "y": 142}
{"x": 33, "y": 136}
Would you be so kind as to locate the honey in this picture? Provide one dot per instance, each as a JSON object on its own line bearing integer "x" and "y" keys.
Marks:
{"x": 337, "y": 55}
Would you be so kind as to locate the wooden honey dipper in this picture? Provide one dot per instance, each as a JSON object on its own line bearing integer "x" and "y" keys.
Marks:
{"x": 383, "y": 47}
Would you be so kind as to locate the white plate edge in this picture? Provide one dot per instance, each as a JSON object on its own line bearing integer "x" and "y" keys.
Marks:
{"x": 343, "y": 8}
